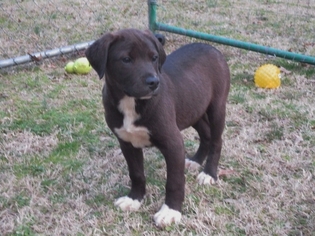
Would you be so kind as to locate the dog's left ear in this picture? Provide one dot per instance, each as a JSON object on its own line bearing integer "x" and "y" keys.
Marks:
{"x": 161, "y": 38}
{"x": 159, "y": 47}
{"x": 97, "y": 53}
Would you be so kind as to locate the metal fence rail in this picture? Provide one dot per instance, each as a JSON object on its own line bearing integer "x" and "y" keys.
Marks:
{"x": 155, "y": 25}
{"x": 45, "y": 28}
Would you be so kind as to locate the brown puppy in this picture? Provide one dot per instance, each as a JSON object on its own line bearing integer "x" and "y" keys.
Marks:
{"x": 149, "y": 98}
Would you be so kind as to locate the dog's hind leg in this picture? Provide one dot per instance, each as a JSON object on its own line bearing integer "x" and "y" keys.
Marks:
{"x": 203, "y": 129}
{"x": 134, "y": 158}
{"x": 216, "y": 117}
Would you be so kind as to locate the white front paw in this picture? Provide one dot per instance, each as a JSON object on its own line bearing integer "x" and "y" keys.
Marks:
{"x": 127, "y": 204}
{"x": 166, "y": 216}
{"x": 192, "y": 165}
{"x": 205, "y": 179}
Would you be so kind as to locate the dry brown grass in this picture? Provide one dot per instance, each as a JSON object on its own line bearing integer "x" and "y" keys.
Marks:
{"x": 61, "y": 168}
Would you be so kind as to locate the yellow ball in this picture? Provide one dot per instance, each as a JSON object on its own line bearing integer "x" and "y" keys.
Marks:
{"x": 69, "y": 67}
{"x": 267, "y": 76}
{"x": 82, "y": 66}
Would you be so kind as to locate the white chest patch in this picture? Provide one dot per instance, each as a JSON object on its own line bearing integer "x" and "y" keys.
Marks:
{"x": 138, "y": 136}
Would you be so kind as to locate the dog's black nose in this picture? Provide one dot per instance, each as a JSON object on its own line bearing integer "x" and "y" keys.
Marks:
{"x": 152, "y": 82}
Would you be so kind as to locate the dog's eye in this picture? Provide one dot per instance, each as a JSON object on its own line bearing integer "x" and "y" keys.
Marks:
{"x": 154, "y": 58}
{"x": 126, "y": 59}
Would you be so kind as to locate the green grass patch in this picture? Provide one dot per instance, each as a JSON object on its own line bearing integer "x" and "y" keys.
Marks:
{"x": 223, "y": 210}
{"x": 24, "y": 230}
{"x": 66, "y": 149}
{"x": 238, "y": 184}
{"x": 275, "y": 133}
{"x": 235, "y": 230}
{"x": 19, "y": 200}
{"x": 99, "y": 200}
{"x": 75, "y": 118}
{"x": 22, "y": 170}
{"x": 295, "y": 67}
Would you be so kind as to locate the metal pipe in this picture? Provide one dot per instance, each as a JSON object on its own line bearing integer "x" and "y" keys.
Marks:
{"x": 44, "y": 54}
{"x": 154, "y": 25}
{"x": 152, "y": 14}
{"x": 236, "y": 43}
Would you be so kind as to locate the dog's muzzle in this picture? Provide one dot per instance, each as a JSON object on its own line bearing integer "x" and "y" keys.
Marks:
{"x": 146, "y": 91}
{"x": 152, "y": 82}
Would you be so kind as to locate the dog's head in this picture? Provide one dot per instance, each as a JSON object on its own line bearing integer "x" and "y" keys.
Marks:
{"x": 131, "y": 61}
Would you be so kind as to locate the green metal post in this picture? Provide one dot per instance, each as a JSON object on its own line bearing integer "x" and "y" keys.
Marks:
{"x": 152, "y": 14}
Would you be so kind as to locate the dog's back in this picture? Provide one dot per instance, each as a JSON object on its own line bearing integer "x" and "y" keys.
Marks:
{"x": 212, "y": 84}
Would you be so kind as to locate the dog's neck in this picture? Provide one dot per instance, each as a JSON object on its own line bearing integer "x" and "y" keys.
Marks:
{"x": 112, "y": 97}
{"x": 127, "y": 106}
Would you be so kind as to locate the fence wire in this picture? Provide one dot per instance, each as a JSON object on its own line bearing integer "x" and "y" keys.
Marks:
{"x": 29, "y": 26}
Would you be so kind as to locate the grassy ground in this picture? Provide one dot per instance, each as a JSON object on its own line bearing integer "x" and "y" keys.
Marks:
{"x": 61, "y": 168}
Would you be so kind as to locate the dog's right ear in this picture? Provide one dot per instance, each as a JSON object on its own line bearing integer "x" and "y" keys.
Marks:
{"x": 97, "y": 53}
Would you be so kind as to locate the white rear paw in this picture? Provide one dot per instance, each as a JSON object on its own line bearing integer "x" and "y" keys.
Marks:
{"x": 192, "y": 165}
{"x": 166, "y": 216}
{"x": 127, "y": 204}
{"x": 205, "y": 179}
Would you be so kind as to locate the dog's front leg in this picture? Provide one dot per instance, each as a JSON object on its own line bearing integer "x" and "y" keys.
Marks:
{"x": 134, "y": 158}
{"x": 173, "y": 151}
